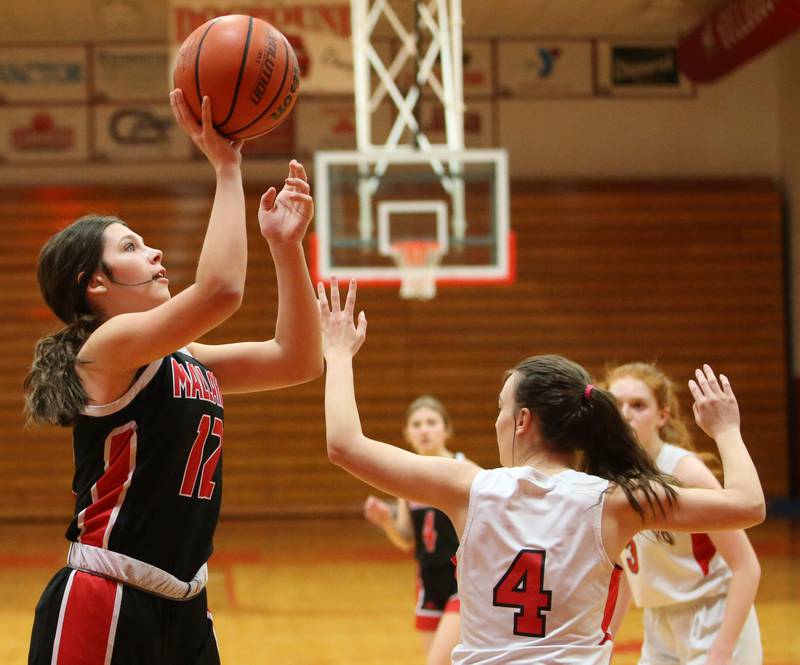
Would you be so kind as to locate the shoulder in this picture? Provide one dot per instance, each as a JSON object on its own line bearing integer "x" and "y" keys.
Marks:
{"x": 691, "y": 471}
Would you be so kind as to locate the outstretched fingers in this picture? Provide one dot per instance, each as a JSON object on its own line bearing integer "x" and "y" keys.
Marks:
{"x": 726, "y": 385}
{"x": 350, "y": 301}
{"x": 335, "y": 305}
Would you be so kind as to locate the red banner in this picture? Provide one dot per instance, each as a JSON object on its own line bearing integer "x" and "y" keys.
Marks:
{"x": 735, "y": 33}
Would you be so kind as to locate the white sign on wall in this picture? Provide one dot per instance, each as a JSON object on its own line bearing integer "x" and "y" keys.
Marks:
{"x": 138, "y": 132}
{"x": 545, "y": 69}
{"x": 127, "y": 73}
{"x": 478, "y": 119}
{"x": 43, "y": 134}
{"x": 34, "y": 74}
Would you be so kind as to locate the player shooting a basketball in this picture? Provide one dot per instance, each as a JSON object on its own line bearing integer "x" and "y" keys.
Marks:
{"x": 144, "y": 401}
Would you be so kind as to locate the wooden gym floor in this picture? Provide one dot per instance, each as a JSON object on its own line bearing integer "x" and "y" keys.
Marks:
{"x": 335, "y": 592}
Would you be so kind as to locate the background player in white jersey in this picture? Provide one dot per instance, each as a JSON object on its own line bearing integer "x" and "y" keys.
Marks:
{"x": 537, "y": 537}
{"x": 697, "y": 590}
{"x": 429, "y": 532}
{"x": 145, "y": 404}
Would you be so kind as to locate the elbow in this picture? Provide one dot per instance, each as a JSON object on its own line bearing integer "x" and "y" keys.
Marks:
{"x": 313, "y": 368}
{"x": 756, "y": 513}
{"x": 223, "y": 296}
{"x": 337, "y": 452}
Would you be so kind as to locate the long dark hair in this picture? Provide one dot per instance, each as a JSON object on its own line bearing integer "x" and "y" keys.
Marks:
{"x": 53, "y": 392}
{"x": 588, "y": 423}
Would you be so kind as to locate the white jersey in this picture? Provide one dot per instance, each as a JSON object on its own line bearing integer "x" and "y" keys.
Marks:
{"x": 661, "y": 574}
{"x": 533, "y": 575}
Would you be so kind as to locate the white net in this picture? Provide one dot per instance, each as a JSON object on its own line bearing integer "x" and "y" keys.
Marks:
{"x": 418, "y": 261}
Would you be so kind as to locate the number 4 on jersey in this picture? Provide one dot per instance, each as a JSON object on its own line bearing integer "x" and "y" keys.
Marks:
{"x": 522, "y": 587}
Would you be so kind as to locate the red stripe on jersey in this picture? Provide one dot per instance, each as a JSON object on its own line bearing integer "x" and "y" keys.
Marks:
{"x": 97, "y": 519}
{"x": 703, "y": 550}
{"x": 88, "y": 621}
{"x": 611, "y": 602}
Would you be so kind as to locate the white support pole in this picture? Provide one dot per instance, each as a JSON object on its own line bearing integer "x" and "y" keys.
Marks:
{"x": 441, "y": 19}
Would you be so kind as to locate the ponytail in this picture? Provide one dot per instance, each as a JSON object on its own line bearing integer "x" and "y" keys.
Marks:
{"x": 614, "y": 453}
{"x": 577, "y": 417}
{"x": 53, "y": 391}
{"x": 54, "y": 394}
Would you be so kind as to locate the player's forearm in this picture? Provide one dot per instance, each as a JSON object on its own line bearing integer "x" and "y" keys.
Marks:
{"x": 399, "y": 539}
{"x": 740, "y": 598}
{"x": 297, "y": 330}
{"x": 741, "y": 477}
{"x": 342, "y": 423}
{"x": 223, "y": 258}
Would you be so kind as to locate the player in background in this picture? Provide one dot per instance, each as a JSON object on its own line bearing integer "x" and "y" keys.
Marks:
{"x": 429, "y": 532}
{"x": 697, "y": 589}
{"x": 144, "y": 401}
{"x": 537, "y": 537}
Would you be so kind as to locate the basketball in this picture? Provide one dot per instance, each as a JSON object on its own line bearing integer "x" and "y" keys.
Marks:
{"x": 248, "y": 69}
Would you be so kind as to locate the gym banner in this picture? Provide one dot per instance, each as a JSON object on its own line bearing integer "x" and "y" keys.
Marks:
{"x": 318, "y": 31}
{"x": 34, "y": 74}
{"x": 735, "y": 33}
{"x": 131, "y": 73}
{"x": 545, "y": 69}
{"x": 138, "y": 132}
{"x": 639, "y": 69}
{"x": 47, "y": 134}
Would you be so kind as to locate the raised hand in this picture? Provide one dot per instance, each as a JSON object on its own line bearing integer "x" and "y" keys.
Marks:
{"x": 217, "y": 149}
{"x": 339, "y": 334}
{"x": 715, "y": 407}
{"x": 285, "y": 216}
{"x": 376, "y": 511}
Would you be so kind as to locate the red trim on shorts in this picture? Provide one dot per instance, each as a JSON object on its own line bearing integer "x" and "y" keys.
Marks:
{"x": 88, "y": 621}
{"x": 427, "y": 623}
{"x": 703, "y": 550}
{"x": 453, "y": 604}
{"x": 611, "y": 603}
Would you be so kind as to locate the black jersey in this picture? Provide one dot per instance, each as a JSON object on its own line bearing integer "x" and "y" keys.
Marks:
{"x": 148, "y": 468}
{"x": 435, "y": 539}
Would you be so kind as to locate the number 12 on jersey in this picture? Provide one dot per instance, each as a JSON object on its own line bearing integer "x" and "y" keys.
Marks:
{"x": 192, "y": 470}
{"x": 522, "y": 587}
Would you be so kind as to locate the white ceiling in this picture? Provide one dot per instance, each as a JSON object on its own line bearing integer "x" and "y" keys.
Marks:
{"x": 92, "y": 20}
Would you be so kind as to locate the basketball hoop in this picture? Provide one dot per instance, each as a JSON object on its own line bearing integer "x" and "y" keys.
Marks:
{"x": 417, "y": 260}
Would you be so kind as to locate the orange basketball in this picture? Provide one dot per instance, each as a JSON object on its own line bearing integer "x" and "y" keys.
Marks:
{"x": 246, "y": 67}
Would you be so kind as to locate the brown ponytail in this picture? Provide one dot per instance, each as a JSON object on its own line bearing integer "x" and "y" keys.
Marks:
{"x": 589, "y": 424}
{"x": 53, "y": 392}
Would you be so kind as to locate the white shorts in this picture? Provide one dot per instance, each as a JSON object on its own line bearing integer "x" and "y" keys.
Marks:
{"x": 684, "y": 635}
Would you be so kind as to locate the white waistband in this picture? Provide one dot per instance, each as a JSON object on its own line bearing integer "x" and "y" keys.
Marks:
{"x": 135, "y": 573}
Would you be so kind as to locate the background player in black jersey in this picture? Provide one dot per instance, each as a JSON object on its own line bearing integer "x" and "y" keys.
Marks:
{"x": 145, "y": 403}
{"x": 429, "y": 531}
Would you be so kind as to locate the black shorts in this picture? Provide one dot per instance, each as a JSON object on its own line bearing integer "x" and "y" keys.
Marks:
{"x": 437, "y": 593}
{"x": 91, "y": 620}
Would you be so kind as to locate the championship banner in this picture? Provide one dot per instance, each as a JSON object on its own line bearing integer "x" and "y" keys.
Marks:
{"x": 545, "y": 69}
{"x": 735, "y": 33}
{"x": 49, "y": 134}
{"x": 319, "y": 32}
{"x": 126, "y": 73}
{"x": 34, "y": 74}
{"x": 138, "y": 132}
